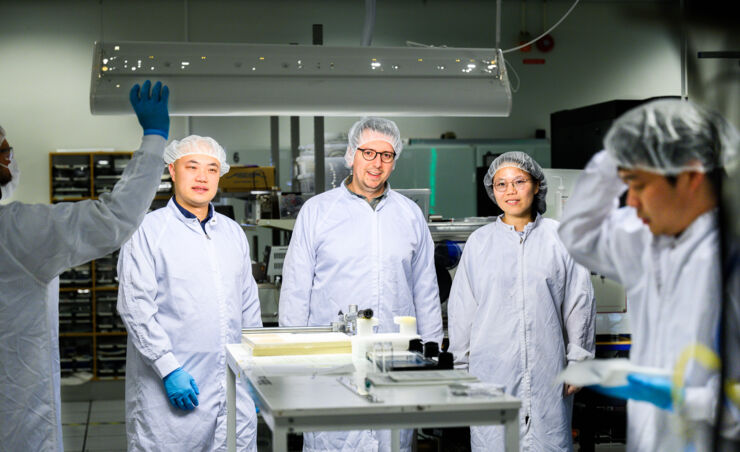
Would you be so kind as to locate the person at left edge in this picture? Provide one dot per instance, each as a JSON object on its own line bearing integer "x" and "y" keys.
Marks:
{"x": 186, "y": 290}
{"x": 40, "y": 241}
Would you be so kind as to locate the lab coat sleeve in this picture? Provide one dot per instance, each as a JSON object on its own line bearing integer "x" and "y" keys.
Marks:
{"x": 598, "y": 234}
{"x": 426, "y": 289}
{"x": 461, "y": 311}
{"x": 298, "y": 273}
{"x": 579, "y": 314}
{"x": 49, "y": 239}
{"x": 137, "y": 304}
{"x": 251, "y": 312}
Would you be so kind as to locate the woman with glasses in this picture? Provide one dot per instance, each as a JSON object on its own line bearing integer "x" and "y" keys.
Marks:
{"x": 521, "y": 309}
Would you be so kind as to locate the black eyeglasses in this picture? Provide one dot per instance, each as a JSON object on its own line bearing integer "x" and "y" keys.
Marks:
{"x": 369, "y": 155}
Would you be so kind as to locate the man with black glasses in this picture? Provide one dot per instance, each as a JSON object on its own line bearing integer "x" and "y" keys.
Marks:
{"x": 362, "y": 243}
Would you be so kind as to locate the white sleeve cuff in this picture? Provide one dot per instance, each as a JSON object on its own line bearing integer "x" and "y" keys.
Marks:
{"x": 153, "y": 144}
{"x": 699, "y": 404}
{"x": 578, "y": 353}
{"x": 165, "y": 364}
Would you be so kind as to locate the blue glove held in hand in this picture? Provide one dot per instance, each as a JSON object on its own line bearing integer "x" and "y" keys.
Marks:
{"x": 181, "y": 389}
{"x": 646, "y": 388}
{"x": 151, "y": 109}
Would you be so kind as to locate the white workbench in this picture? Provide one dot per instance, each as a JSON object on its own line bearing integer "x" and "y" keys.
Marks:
{"x": 291, "y": 404}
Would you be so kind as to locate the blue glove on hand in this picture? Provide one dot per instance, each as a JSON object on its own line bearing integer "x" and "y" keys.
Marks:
{"x": 181, "y": 389}
{"x": 151, "y": 109}
{"x": 646, "y": 388}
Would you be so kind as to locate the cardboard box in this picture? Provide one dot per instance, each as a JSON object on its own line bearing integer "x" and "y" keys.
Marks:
{"x": 245, "y": 178}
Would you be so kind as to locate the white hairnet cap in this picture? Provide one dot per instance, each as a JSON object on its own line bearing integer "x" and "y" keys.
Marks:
{"x": 2, "y": 134}
{"x": 195, "y": 144}
{"x": 525, "y": 163}
{"x": 371, "y": 129}
{"x": 671, "y": 136}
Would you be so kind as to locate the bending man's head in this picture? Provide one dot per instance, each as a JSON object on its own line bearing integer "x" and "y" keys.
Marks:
{"x": 670, "y": 153}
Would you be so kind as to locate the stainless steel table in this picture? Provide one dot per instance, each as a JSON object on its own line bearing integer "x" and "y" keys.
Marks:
{"x": 304, "y": 403}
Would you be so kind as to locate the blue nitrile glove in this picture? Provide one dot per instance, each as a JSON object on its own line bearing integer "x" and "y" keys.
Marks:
{"x": 181, "y": 389}
{"x": 646, "y": 388}
{"x": 151, "y": 109}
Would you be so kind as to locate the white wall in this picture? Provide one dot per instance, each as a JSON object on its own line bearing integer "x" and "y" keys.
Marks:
{"x": 600, "y": 54}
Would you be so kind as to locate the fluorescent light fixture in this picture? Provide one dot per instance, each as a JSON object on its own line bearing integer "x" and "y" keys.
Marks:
{"x": 212, "y": 79}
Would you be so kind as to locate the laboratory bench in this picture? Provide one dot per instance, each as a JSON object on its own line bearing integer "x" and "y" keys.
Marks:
{"x": 293, "y": 403}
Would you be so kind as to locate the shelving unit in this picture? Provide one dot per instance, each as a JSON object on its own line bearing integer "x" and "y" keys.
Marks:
{"x": 92, "y": 337}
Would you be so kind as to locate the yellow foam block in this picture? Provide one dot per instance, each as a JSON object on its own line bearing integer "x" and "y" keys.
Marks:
{"x": 276, "y": 344}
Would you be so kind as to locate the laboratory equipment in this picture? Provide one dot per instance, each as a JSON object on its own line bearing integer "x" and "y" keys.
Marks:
{"x": 578, "y": 133}
{"x": 299, "y": 403}
{"x": 261, "y": 205}
{"x": 347, "y": 323}
{"x": 561, "y": 182}
{"x": 275, "y": 260}
{"x": 335, "y": 171}
{"x": 420, "y": 196}
{"x": 279, "y": 343}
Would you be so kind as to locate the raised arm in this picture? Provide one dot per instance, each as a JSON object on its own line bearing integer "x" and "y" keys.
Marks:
{"x": 69, "y": 234}
{"x": 598, "y": 234}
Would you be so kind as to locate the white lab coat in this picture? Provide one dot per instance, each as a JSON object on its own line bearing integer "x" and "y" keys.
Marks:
{"x": 183, "y": 295}
{"x": 520, "y": 309}
{"x": 673, "y": 296}
{"x": 343, "y": 252}
{"x": 38, "y": 243}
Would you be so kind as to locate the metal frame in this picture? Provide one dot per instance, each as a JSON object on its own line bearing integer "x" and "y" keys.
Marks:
{"x": 408, "y": 407}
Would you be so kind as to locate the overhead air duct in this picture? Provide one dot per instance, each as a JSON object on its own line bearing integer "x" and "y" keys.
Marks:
{"x": 212, "y": 79}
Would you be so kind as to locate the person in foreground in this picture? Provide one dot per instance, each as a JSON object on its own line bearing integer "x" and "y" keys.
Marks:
{"x": 663, "y": 247}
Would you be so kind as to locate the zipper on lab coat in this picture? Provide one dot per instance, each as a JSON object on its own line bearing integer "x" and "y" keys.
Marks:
{"x": 525, "y": 353}
{"x": 222, "y": 304}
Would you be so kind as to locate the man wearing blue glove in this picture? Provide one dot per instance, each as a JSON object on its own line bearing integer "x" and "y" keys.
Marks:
{"x": 664, "y": 248}
{"x": 646, "y": 388}
{"x": 186, "y": 290}
{"x": 37, "y": 243}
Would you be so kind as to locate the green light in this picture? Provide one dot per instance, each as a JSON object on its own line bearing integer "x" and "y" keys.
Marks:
{"x": 432, "y": 180}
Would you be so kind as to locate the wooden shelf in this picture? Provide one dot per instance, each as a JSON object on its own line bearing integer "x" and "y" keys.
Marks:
{"x": 105, "y": 288}
{"x": 87, "y": 160}
{"x": 96, "y": 378}
{"x": 75, "y": 199}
